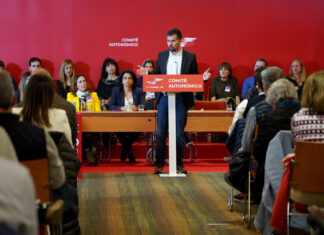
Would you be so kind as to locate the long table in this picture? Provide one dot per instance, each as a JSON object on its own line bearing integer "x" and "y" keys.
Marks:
{"x": 145, "y": 121}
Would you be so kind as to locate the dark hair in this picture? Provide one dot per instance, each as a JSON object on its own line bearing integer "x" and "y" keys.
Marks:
{"x": 225, "y": 65}
{"x": 263, "y": 60}
{"x": 120, "y": 78}
{"x": 107, "y": 62}
{"x": 33, "y": 59}
{"x": 258, "y": 78}
{"x": 75, "y": 81}
{"x": 2, "y": 64}
{"x": 175, "y": 31}
{"x": 6, "y": 91}
{"x": 38, "y": 99}
{"x": 148, "y": 61}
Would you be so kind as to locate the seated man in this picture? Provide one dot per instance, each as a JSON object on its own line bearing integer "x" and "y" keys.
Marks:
{"x": 30, "y": 142}
{"x": 249, "y": 82}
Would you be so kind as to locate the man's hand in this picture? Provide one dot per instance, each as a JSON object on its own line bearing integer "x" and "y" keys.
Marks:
{"x": 141, "y": 70}
{"x": 206, "y": 75}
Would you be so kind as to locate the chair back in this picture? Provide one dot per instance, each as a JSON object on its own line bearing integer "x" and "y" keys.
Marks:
{"x": 39, "y": 171}
{"x": 210, "y": 105}
{"x": 308, "y": 173}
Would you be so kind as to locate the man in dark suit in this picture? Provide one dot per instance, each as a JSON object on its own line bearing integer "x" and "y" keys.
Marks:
{"x": 174, "y": 61}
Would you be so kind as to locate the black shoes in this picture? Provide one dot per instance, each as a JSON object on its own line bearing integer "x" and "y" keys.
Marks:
{"x": 158, "y": 170}
{"x": 181, "y": 170}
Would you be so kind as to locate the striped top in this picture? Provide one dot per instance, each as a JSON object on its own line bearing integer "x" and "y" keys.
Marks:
{"x": 307, "y": 125}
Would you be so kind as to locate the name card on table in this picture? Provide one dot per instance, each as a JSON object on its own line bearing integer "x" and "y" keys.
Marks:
{"x": 173, "y": 83}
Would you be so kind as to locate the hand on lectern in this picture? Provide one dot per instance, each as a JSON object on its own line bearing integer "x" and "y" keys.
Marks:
{"x": 141, "y": 70}
{"x": 206, "y": 75}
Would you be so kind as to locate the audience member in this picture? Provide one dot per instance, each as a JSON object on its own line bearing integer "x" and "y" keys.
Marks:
{"x": 84, "y": 100}
{"x": 148, "y": 64}
{"x": 308, "y": 123}
{"x": 257, "y": 112}
{"x": 269, "y": 75}
{"x": 261, "y": 94}
{"x": 249, "y": 82}
{"x": 297, "y": 75}
{"x": 108, "y": 81}
{"x": 67, "y": 75}
{"x": 7, "y": 150}
{"x": 282, "y": 96}
{"x": 37, "y": 107}
{"x": 30, "y": 142}
{"x": 2, "y": 68}
{"x": 126, "y": 97}
{"x": 225, "y": 86}
{"x": 21, "y": 87}
{"x": 34, "y": 63}
{"x": 17, "y": 198}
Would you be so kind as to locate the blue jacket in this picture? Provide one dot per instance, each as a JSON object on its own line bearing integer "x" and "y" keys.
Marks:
{"x": 248, "y": 83}
{"x": 117, "y": 99}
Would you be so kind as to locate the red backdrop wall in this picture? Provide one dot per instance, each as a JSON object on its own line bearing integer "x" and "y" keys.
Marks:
{"x": 237, "y": 32}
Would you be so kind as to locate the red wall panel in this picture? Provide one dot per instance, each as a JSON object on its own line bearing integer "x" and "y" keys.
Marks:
{"x": 234, "y": 31}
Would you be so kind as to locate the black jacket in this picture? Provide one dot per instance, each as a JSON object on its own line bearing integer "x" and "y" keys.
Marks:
{"x": 188, "y": 66}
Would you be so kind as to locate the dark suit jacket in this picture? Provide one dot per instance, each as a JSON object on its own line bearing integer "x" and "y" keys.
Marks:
{"x": 188, "y": 66}
{"x": 117, "y": 99}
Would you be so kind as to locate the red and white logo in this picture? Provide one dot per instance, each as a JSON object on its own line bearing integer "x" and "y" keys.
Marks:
{"x": 188, "y": 42}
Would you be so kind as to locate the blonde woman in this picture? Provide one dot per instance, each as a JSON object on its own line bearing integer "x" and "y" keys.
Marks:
{"x": 67, "y": 75}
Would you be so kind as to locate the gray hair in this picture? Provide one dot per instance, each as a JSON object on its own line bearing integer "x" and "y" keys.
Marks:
{"x": 271, "y": 74}
{"x": 280, "y": 90}
{"x": 7, "y": 92}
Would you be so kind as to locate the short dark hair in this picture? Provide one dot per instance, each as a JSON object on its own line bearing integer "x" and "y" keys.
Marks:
{"x": 107, "y": 62}
{"x": 148, "y": 61}
{"x": 175, "y": 31}
{"x": 6, "y": 91}
{"x": 120, "y": 78}
{"x": 263, "y": 60}
{"x": 2, "y": 64}
{"x": 258, "y": 78}
{"x": 34, "y": 59}
{"x": 225, "y": 65}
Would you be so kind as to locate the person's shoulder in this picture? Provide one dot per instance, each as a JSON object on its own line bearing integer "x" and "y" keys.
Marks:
{"x": 249, "y": 78}
{"x": 189, "y": 53}
{"x": 163, "y": 53}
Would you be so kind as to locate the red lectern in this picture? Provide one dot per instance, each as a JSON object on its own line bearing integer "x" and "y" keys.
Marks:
{"x": 172, "y": 84}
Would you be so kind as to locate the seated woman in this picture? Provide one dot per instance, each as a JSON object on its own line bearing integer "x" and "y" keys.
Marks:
{"x": 84, "y": 100}
{"x": 126, "y": 97}
{"x": 108, "y": 81}
{"x": 225, "y": 86}
{"x": 283, "y": 98}
{"x": 37, "y": 107}
{"x": 297, "y": 75}
{"x": 67, "y": 75}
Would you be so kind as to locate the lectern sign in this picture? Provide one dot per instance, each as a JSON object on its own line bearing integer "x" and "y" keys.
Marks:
{"x": 173, "y": 83}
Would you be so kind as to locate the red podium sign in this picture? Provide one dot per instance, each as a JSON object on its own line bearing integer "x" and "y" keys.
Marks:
{"x": 173, "y": 83}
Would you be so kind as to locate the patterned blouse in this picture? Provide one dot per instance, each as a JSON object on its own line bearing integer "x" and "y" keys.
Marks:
{"x": 307, "y": 125}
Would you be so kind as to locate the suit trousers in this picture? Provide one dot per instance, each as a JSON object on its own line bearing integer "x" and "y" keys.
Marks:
{"x": 162, "y": 129}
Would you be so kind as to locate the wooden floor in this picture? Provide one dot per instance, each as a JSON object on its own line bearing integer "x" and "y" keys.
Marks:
{"x": 143, "y": 203}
